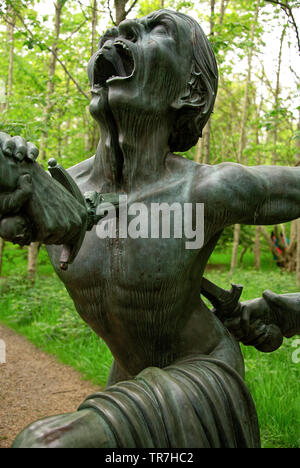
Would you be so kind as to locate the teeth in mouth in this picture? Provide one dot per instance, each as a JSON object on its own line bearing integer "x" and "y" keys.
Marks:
{"x": 114, "y": 61}
{"x": 122, "y": 45}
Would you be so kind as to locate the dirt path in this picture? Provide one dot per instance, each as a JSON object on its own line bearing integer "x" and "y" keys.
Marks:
{"x": 33, "y": 385}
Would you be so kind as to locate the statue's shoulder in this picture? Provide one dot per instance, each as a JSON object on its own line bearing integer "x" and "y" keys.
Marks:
{"x": 187, "y": 167}
{"x": 177, "y": 162}
{"x": 205, "y": 182}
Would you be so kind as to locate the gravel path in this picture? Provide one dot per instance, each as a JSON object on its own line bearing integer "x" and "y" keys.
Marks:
{"x": 33, "y": 385}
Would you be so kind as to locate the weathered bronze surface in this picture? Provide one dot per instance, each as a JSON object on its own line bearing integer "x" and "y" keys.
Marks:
{"x": 177, "y": 378}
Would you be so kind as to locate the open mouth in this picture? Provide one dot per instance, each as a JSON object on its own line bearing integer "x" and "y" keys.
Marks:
{"x": 112, "y": 63}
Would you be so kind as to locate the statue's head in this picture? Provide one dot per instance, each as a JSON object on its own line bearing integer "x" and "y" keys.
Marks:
{"x": 160, "y": 64}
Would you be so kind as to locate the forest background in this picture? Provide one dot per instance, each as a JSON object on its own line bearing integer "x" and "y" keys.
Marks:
{"x": 44, "y": 96}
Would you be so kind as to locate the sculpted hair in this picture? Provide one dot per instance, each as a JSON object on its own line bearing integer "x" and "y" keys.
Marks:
{"x": 203, "y": 85}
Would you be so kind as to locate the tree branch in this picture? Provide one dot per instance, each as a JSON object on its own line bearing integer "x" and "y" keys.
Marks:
{"x": 296, "y": 75}
{"x": 76, "y": 30}
{"x": 68, "y": 73}
{"x": 132, "y": 6}
{"x": 57, "y": 58}
{"x": 289, "y": 12}
{"x": 110, "y": 14}
{"x": 89, "y": 7}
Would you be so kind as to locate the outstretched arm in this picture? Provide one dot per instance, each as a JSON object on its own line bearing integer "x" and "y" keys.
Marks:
{"x": 260, "y": 195}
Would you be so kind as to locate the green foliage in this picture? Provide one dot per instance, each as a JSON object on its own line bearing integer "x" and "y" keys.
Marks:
{"x": 70, "y": 128}
{"x": 33, "y": 39}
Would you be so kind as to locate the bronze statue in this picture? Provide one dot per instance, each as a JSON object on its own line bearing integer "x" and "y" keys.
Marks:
{"x": 177, "y": 377}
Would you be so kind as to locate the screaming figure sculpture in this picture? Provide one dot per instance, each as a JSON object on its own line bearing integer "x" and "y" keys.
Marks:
{"x": 178, "y": 374}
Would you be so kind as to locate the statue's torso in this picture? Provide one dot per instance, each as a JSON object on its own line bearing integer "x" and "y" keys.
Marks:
{"x": 142, "y": 296}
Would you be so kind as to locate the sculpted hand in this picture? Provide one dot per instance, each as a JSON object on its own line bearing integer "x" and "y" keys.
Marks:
{"x": 15, "y": 187}
{"x": 15, "y": 181}
{"x": 17, "y": 148}
{"x": 33, "y": 206}
{"x": 263, "y": 322}
{"x": 284, "y": 311}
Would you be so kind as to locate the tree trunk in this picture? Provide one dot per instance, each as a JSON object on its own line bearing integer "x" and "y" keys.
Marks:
{"x": 207, "y": 128}
{"x": 206, "y": 142}
{"x": 235, "y": 248}
{"x": 276, "y": 98}
{"x": 94, "y": 27}
{"x": 242, "y": 255}
{"x": 91, "y": 127}
{"x": 242, "y": 141}
{"x": 223, "y": 6}
{"x": 205, "y": 145}
{"x": 257, "y": 250}
{"x": 32, "y": 264}
{"x": 120, "y": 10}
{"x": 10, "y": 40}
{"x": 198, "y": 156}
{"x": 68, "y": 122}
{"x": 212, "y": 17}
{"x": 94, "y": 132}
{"x": 293, "y": 233}
{"x": 50, "y": 85}
{"x": 87, "y": 134}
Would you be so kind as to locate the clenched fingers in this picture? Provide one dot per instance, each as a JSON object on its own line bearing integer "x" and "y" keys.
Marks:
{"x": 18, "y": 148}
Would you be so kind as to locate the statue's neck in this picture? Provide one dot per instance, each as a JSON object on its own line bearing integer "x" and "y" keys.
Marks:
{"x": 132, "y": 150}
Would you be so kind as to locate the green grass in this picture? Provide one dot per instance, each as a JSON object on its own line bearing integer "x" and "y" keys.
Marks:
{"x": 46, "y": 316}
{"x": 223, "y": 258}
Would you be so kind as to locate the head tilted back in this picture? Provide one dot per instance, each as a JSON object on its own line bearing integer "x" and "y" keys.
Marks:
{"x": 195, "y": 103}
